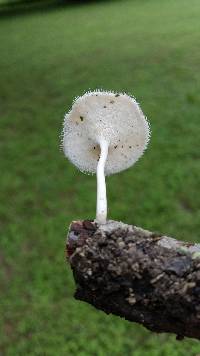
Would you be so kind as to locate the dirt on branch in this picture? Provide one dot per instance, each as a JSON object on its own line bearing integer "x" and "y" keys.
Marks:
{"x": 139, "y": 275}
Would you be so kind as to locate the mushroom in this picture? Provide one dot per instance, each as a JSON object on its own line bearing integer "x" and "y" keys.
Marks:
{"x": 104, "y": 133}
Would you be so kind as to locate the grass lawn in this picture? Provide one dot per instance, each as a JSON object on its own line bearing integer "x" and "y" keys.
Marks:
{"x": 149, "y": 48}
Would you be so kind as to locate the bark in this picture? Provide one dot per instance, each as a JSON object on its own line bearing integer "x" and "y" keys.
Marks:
{"x": 139, "y": 275}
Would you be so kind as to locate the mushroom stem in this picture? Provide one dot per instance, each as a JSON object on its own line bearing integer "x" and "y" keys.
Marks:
{"x": 101, "y": 210}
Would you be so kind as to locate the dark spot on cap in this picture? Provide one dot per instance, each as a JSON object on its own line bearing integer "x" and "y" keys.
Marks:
{"x": 105, "y": 106}
{"x": 94, "y": 148}
{"x": 122, "y": 146}
{"x": 112, "y": 101}
{"x": 81, "y": 117}
{"x": 96, "y": 94}
{"x": 130, "y": 146}
{"x": 116, "y": 95}
{"x": 115, "y": 146}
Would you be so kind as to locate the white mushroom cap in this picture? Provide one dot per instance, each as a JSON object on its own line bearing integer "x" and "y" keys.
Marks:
{"x": 101, "y": 115}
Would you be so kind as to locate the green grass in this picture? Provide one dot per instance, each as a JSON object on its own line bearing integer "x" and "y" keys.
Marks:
{"x": 149, "y": 48}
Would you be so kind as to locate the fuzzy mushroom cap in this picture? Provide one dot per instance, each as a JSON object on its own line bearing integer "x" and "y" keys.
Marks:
{"x": 116, "y": 118}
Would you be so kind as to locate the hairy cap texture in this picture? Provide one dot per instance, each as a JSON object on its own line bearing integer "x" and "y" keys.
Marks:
{"x": 101, "y": 115}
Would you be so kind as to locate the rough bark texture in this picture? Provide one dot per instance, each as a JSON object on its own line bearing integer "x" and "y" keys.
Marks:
{"x": 139, "y": 275}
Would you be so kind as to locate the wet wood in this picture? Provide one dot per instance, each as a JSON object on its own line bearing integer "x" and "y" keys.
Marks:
{"x": 139, "y": 275}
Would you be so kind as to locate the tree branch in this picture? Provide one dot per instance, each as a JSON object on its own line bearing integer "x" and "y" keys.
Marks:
{"x": 139, "y": 275}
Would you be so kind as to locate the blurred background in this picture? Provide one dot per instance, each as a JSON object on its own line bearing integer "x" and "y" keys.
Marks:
{"x": 52, "y": 51}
